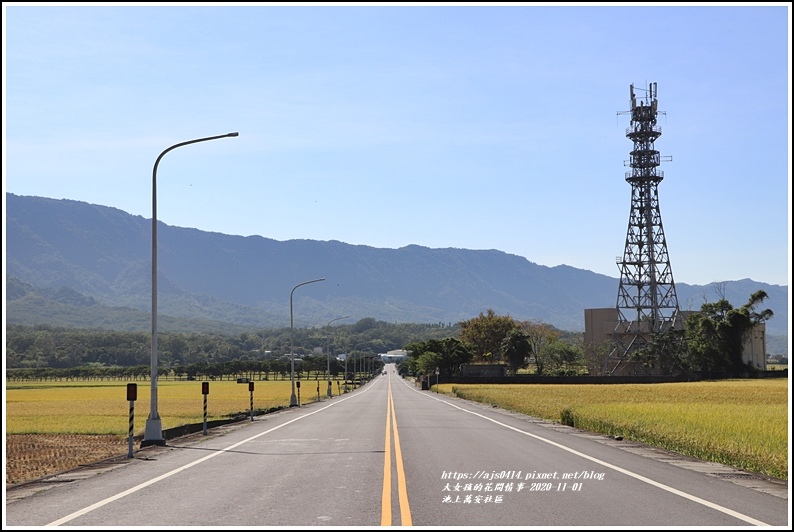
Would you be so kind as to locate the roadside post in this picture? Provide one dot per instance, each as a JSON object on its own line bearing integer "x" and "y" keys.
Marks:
{"x": 132, "y": 396}
{"x": 318, "y": 391}
{"x": 298, "y": 385}
{"x": 205, "y": 391}
{"x": 251, "y": 391}
{"x": 437, "y": 380}
{"x": 338, "y": 389}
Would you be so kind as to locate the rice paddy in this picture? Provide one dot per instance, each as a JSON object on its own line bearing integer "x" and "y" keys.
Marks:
{"x": 741, "y": 423}
{"x": 90, "y": 407}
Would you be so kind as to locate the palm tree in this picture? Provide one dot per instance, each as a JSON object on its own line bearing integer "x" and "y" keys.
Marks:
{"x": 515, "y": 349}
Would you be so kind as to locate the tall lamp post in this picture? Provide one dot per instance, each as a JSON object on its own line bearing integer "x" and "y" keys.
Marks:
{"x": 355, "y": 369}
{"x": 293, "y": 401}
{"x": 346, "y": 357}
{"x": 328, "y": 354}
{"x": 153, "y": 433}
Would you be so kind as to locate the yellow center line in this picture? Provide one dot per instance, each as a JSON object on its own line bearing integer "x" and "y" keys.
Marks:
{"x": 402, "y": 490}
{"x": 385, "y": 519}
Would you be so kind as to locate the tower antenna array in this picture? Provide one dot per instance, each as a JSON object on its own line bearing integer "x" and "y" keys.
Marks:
{"x": 647, "y": 301}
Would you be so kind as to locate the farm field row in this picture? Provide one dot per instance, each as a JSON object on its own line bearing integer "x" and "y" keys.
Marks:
{"x": 101, "y": 407}
{"x": 56, "y": 426}
{"x": 741, "y": 423}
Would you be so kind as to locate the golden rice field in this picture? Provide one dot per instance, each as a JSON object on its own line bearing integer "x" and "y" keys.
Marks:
{"x": 91, "y": 407}
{"x": 53, "y": 427}
{"x": 741, "y": 423}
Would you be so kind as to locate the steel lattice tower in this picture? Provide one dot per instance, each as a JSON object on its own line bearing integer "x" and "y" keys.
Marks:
{"x": 647, "y": 301}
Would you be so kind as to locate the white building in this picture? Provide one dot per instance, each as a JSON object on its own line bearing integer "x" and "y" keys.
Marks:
{"x": 393, "y": 357}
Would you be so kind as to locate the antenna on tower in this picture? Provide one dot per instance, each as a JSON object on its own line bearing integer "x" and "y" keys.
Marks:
{"x": 647, "y": 302}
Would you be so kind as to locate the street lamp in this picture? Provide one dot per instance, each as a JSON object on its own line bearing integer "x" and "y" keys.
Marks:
{"x": 293, "y": 401}
{"x": 153, "y": 433}
{"x": 328, "y": 354}
{"x": 346, "y": 357}
{"x": 359, "y": 369}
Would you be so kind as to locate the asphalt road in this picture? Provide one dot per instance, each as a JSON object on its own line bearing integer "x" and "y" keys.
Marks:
{"x": 390, "y": 454}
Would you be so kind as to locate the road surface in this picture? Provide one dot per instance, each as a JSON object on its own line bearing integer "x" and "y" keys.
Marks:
{"x": 390, "y": 454}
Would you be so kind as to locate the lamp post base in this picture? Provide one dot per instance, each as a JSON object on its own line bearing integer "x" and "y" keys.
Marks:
{"x": 149, "y": 443}
{"x": 293, "y": 401}
{"x": 153, "y": 433}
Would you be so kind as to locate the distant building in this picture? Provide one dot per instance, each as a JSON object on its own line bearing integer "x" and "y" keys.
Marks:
{"x": 393, "y": 357}
{"x": 754, "y": 350}
{"x": 600, "y": 324}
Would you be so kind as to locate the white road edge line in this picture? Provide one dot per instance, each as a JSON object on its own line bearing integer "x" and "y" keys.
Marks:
{"x": 139, "y": 487}
{"x": 659, "y": 485}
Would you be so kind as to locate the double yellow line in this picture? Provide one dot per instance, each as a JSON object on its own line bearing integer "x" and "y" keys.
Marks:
{"x": 405, "y": 509}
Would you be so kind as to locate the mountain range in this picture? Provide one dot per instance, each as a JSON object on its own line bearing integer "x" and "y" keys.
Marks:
{"x": 67, "y": 256}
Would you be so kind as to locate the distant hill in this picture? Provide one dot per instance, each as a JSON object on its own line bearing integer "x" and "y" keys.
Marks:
{"x": 68, "y": 257}
{"x": 63, "y": 307}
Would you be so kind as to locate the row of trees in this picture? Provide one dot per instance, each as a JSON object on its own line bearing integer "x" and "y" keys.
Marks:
{"x": 712, "y": 341}
{"x": 493, "y": 339}
{"x": 56, "y": 347}
{"x": 310, "y": 368}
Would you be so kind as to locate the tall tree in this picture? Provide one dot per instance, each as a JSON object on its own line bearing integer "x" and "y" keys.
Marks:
{"x": 447, "y": 355}
{"x": 563, "y": 357}
{"x": 539, "y": 336}
{"x": 485, "y": 334}
{"x": 715, "y": 336}
{"x": 663, "y": 354}
{"x": 516, "y": 349}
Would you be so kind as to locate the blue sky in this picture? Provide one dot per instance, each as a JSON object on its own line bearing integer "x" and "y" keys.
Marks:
{"x": 466, "y": 126}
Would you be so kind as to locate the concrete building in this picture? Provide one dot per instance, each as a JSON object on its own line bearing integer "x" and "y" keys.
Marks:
{"x": 600, "y": 324}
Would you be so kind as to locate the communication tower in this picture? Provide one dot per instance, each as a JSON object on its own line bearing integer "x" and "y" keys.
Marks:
{"x": 647, "y": 301}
